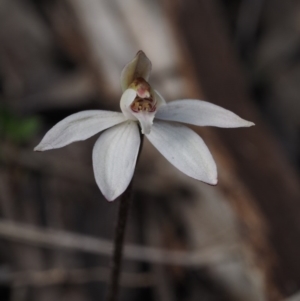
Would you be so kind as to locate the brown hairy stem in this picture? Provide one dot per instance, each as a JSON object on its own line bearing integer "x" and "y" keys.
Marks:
{"x": 125, "y": 202}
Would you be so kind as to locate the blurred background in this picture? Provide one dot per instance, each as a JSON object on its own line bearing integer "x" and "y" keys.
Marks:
{"x": 185, "y": 240}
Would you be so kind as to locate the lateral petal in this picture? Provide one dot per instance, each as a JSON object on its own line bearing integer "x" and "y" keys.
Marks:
{"x": 200, "y": 113}
{"x": 185, "y": 150}
{"x": 114, "y": 158}
{"x": 77, "y": 127}
{"x": 159, "y": 99}
{"x": 140, "y": 66}
{"x": 127, "y": 99}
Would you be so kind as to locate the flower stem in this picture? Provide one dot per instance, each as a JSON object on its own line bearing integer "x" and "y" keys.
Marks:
{"x": 124, "y": 207}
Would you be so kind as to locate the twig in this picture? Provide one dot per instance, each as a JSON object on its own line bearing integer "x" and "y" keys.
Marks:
{"x": 295, "y": 297}
{"x": 57, "y": 239}
{"x": 73, "y": 276}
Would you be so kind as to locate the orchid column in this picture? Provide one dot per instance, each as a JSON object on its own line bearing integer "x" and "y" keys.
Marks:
{"x": 144, "y": 113}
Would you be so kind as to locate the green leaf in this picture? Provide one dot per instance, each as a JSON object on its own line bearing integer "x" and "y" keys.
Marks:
{"x": 16, "y": 129}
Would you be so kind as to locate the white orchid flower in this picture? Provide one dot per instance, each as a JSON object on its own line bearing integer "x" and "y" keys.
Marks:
{"x": 143, "y": 108}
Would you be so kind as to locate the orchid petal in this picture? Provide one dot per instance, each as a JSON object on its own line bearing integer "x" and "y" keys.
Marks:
{"x": 77, "y": 127}
{"x": 140, "y": 66}
{"x": 126, "y": 100}
{"x": 114, "y": 158}
{"x": 159, "y": 99}
{"x": 185, "y": 150}
{"x": 200, "y": 113}
{"x": 146, "y": 120}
